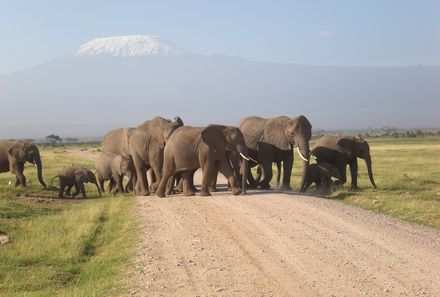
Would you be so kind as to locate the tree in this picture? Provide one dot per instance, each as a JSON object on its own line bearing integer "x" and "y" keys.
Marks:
{"x": 71, "y": 140}
{"x": 53, "y": 139}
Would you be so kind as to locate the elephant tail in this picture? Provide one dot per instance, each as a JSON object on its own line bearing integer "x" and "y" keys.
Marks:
{"x": 51, "y": 181}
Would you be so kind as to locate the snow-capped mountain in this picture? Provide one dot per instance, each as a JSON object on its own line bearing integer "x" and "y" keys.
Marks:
{"x": 128, "y": 46}
{"x": 126, "y": 80}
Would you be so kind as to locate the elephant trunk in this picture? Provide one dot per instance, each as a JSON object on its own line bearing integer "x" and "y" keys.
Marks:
{"x": 304, "y": 176}
{"x": 303, "y": 148}
{"x": 37, "y": 162}
{"x": 370, "y": 170}
{"x": 244, "y": 175}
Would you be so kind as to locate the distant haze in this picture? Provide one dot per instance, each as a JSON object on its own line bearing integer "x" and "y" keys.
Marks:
{"x": 121, "y": 82}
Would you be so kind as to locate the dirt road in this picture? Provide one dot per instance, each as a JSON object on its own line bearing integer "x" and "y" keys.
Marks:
{"x": 274, "y": 244}
{"x": 280, "y": 245}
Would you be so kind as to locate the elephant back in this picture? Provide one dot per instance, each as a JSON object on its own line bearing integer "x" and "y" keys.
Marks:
{"x": 252, "y": 129}
{"x": 117, "y": 141}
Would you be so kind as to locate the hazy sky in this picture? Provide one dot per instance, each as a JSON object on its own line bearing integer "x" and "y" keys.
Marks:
{"x": 379, "y": 32}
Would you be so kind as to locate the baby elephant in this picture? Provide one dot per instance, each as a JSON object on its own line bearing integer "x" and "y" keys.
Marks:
{"x": 321, "y": 175}
{"x": 75, "y": 176}
{"x": 114, "y": 167}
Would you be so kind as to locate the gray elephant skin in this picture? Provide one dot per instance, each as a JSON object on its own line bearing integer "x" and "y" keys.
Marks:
{"x": 146, "y": 144}
{"x": 321, "y": 175}
{"x": 342, "y": 150}
{"x": 76, "y": 176}
{"x": 116, "y": 141}
{"x": 190, "y": 148}
{"x": 14, "y": 155}
{"x": 272, "y": 140}
{"x": 113, "y": 167}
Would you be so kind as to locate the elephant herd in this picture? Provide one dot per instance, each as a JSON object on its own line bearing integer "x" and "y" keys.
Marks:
{"x": 169, "y": 153}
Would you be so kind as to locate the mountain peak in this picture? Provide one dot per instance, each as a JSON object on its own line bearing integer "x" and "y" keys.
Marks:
{"x": 128, "y": 46}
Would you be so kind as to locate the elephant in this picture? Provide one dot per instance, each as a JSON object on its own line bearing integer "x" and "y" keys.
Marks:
{"x": 114, "y": 167}
{"x": 75, "y": 176}
{"x": 13, "y": 156}
{"x": 272, "y": 140}
{"x": 320, "y": 175}
{"x": 116, "y": 142}
{"x": 146, "y": 144}
{"x": 342, "y": 150}
{"x": 190, "y": 148}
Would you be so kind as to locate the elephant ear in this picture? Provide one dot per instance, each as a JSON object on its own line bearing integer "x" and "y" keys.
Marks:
{"x": 345, "y": 146}
{"x": 213, "y": 136}
{"x": 158, "y": 137}
{"x": 275, "y": 133}
{"x": 17, "y": 151}
{"x": 80, "y": 175}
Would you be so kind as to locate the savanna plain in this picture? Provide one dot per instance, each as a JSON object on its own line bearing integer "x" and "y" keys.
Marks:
{"x": 373, "y": 242}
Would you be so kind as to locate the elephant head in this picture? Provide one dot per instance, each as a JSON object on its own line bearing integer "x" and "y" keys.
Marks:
{"x": 284, "y": 133}
{"x": 84, "y": 175}
{"x": 227, "y": 139}
{"x": 23, "y": 152}
{"x": 356, "y": 147}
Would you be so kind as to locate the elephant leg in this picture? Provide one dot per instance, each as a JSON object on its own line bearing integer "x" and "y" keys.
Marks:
{"x": 83, "y": 190}
{"x": 267, "y": 168}
{"x": 209, "y": 173}
{"x": 62, "y": 187}
{"x": 142, "y": 182}
{"x": 287, "y": 172}
{"x": 250, "y": 178}
{"x": 226, "y": 170}
{"x": 170, "y": 185}
{"x": 157, "y": 169}
{"x": 354, "y": 173}
{"x": 77, "y": 189}
{"x": 213, "y": 185}
{"x": 168, "y": 173}
{"x": 68, "y": 190}
{"x": 19, "y": 175}
{"x": 191, "y": 181}
{"x": 100, "y": 183}
{"x": 278, "y": 173}
{"x": 111, "y": 185}
{"x": 17, "y": 181}
{"x": 187, "y": 183}
{"x": 259, "y": 174}
{"x": 342, "y": 167}
{"x": 118, "y": 179}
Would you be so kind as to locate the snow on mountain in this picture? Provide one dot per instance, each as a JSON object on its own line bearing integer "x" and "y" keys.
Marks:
{"x": 128, "y": 46}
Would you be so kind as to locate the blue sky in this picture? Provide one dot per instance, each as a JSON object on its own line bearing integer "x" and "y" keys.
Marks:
{"x": 396, "y": 33}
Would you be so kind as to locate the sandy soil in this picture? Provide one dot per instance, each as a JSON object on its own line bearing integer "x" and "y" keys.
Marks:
{"x": 279, "y": 244}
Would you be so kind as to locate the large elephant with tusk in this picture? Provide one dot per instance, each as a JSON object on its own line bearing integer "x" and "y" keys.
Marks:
{"x": 342, "y": 150}
{"x": 190, "y": 148}
{"x": 272, "y": 140}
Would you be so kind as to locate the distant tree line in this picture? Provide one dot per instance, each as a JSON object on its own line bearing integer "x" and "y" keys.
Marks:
{"x": 382, "y": 132}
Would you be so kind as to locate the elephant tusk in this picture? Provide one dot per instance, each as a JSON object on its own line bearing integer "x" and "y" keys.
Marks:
{"x": 299, "y": 153}
{"x": 314, "y": 157}
{"x": 244, "y": 157}
{"x": 253, "y": 160}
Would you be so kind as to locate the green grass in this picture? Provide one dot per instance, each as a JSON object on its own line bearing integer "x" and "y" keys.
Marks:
{"x": 407, "y": 174}
{"x": 70, "y": 247}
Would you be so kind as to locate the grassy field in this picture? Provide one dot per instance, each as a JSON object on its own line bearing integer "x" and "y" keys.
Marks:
{"x": 407, "y": 174}
{"x": 63, "y": 247}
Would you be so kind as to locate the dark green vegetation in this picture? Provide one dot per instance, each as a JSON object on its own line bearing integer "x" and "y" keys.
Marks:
{"x": 63, "y": 247}
{"x": 407, "y": 174}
